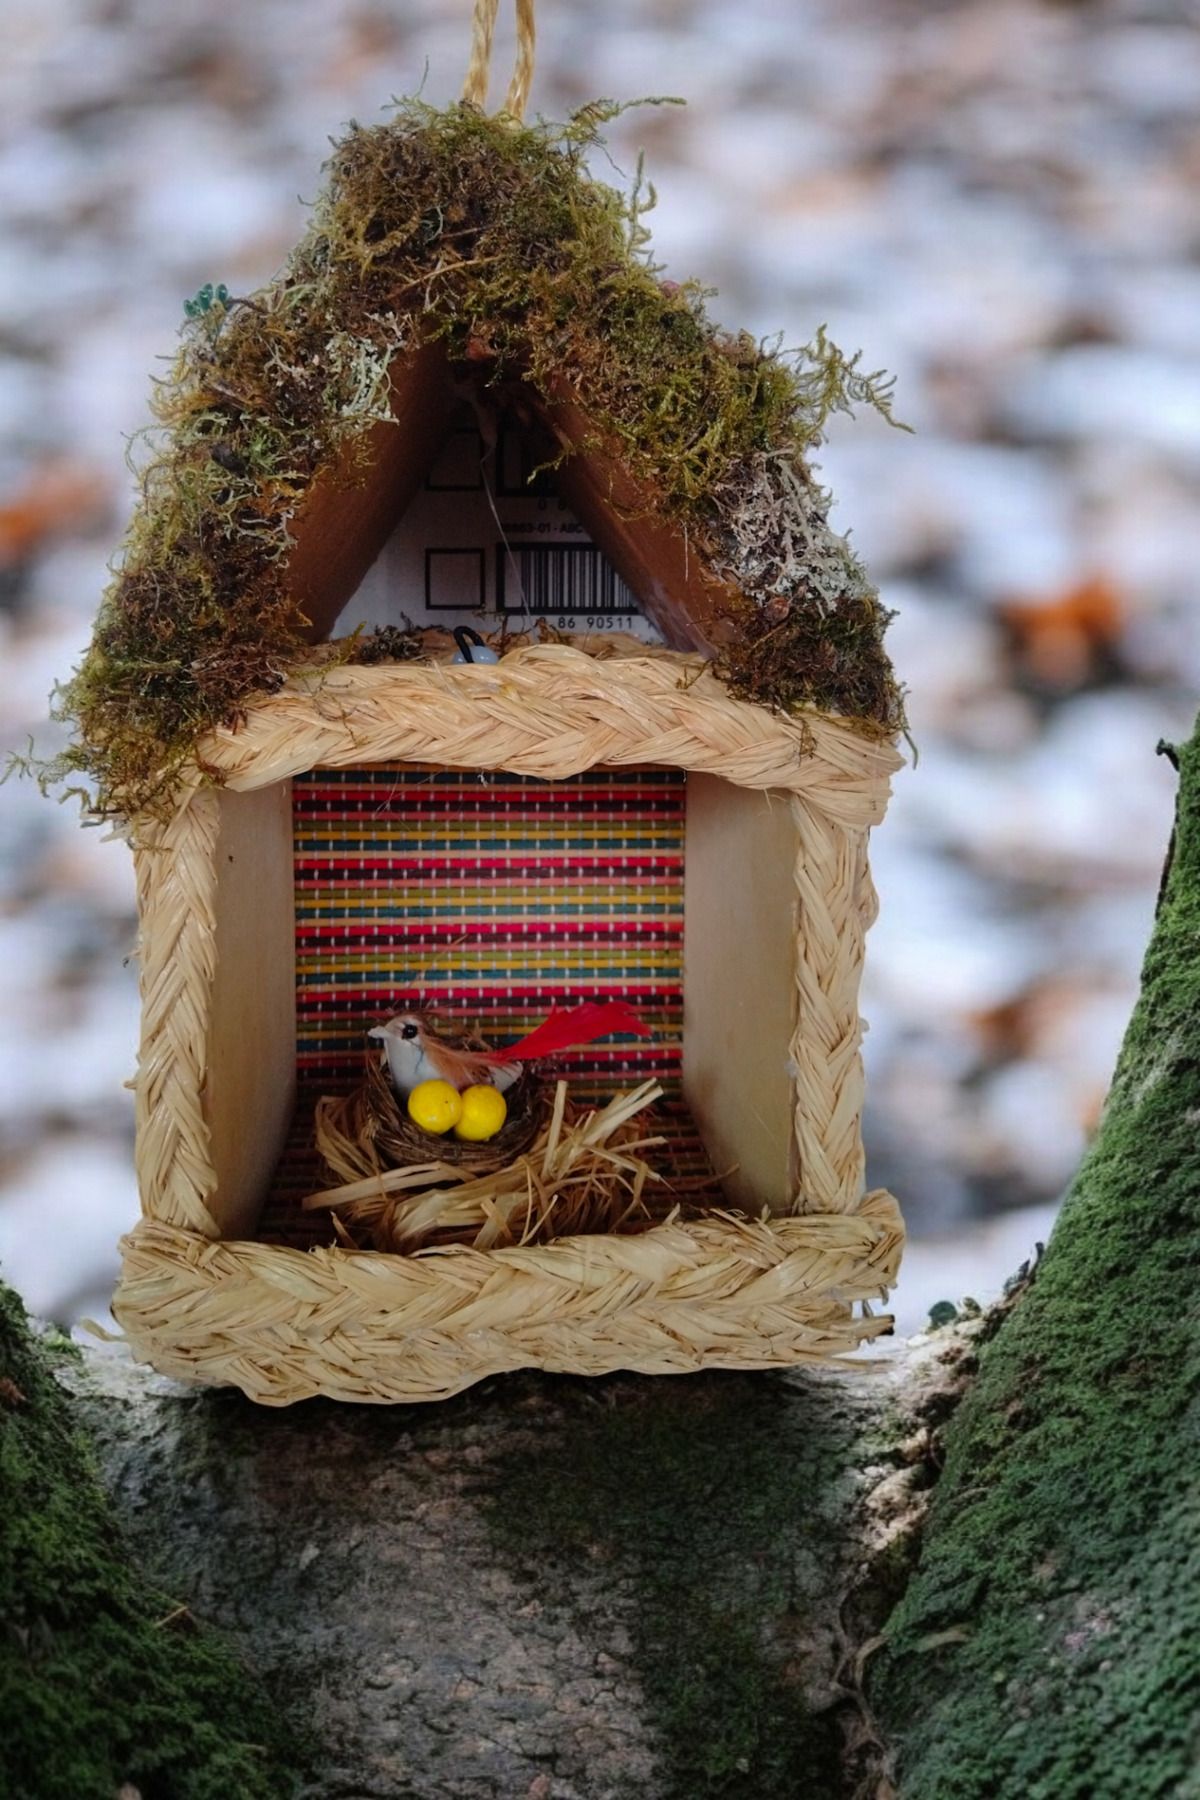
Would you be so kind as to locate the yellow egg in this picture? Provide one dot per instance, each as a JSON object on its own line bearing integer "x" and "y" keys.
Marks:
{"x": 484, "y": 1110}
{"x": 435, "y": 1106}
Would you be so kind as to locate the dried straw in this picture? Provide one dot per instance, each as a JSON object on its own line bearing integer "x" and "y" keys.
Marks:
{"x": 551, "y": 710}
{"x": 715, "y": 1292}
{"x": 585, "y": 1172}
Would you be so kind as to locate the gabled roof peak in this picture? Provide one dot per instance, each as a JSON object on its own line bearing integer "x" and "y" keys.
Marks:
{"x": 451, "y": 248}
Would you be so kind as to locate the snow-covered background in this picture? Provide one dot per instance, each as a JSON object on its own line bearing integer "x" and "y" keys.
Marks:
{"x": 996, "y": 200}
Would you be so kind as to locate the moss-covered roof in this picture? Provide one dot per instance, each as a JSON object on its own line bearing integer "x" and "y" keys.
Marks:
{"x": 495, "y": 240}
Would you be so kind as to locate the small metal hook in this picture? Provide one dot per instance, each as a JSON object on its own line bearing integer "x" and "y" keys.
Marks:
{"x": 468, "y": 641}
{"x": 471, "y": 647}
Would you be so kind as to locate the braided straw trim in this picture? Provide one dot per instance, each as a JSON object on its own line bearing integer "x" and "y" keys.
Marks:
{"x": 175, "y": 867}
{"x": 551, "y": 711}
{"x": 836, "y": 902}
{"x": 284, "y": 1325}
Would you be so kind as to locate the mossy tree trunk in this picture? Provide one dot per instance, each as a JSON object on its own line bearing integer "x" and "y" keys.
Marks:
{"x": 1048, "y": 1646}
{"x": 108, "y": 1686}
{"x": 661, "y": 1590}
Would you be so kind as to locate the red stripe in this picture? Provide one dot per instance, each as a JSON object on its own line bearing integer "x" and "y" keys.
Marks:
{"x": 335, "y": 1026}
{"x": 590, "y": 806}
{"x": 497, "y": 999}
{"x": 340, "y": 1034}
{"x": 665, "y": 1065}
{"x": 523, "y": 790}
{"x": 488, "y": 929}
{"x": 664, "y": 1056}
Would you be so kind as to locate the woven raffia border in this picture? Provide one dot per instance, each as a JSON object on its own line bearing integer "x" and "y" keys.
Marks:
{"x": 550, "y": 710}
{"x": 723, "y": 1293}
{"x": 283, "y": 1324}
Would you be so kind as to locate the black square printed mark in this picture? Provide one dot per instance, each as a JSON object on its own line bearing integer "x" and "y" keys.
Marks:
{"x": 458, "y": 468}
{"x": 515, "y": 465}
{"x": 455, "y": 580}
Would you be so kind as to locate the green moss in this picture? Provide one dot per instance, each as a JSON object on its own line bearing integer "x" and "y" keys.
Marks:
{"x": 103, "y": 1680}
{"x": 1061, "y": 1550}
{"x": 496, "y": 240}
{"x": 762, "y": 661}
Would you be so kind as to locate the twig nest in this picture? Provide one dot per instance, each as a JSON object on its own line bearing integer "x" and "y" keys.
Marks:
{"x": 582, "y": 1172}
{"x": 372, "y": 1128}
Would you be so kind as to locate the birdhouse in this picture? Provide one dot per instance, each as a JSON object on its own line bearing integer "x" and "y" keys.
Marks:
{"x": 470, "y": 402}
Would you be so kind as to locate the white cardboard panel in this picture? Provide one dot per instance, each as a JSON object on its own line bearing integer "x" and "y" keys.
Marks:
{"x": 487, "y": 541}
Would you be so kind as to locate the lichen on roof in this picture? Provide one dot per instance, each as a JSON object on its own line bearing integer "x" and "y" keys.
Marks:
{"x": 494, "y": 238}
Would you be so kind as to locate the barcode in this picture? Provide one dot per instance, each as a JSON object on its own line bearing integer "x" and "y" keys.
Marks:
{"x": 560, "y": 578}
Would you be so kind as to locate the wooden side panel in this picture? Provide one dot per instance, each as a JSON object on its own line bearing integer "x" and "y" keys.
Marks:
{"x": 251, "y": 1084}
{"x": 647, "y": 551}
{"x": 348, "y": 517}
{"x": 739, "y": 987}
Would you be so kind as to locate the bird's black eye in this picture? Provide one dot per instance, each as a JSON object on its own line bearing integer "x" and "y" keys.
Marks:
{"x": 408, "y": 1031}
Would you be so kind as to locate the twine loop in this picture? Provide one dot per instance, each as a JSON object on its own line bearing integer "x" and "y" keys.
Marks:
{"x": 479, "y": 69}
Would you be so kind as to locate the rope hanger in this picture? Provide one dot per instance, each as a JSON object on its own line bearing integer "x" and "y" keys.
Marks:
{"x": 483, "y": 29}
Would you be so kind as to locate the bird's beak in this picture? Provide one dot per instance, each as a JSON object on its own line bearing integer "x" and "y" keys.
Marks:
{"x": 380, "y": 1031}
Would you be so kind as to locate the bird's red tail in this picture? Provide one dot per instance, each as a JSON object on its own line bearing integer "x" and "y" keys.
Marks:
{"x": 569, "y": 1026}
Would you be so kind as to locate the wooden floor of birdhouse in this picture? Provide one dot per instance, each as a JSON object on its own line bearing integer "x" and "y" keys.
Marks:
{"x": 487, "y": 900}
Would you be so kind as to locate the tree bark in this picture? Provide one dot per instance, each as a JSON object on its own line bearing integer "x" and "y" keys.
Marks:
{"x": 550, "y": 1588}
{"x": 1049, "y": 1641}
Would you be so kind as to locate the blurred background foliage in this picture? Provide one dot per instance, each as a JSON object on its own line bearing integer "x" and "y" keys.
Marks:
{"x": 996, "y": 199}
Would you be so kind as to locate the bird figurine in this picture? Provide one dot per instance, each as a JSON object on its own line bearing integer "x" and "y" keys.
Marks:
{"x": 416, "y": 1053}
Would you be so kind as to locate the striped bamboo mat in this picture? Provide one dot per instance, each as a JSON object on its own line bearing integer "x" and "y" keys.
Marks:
{"x": 486, "y": 900}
